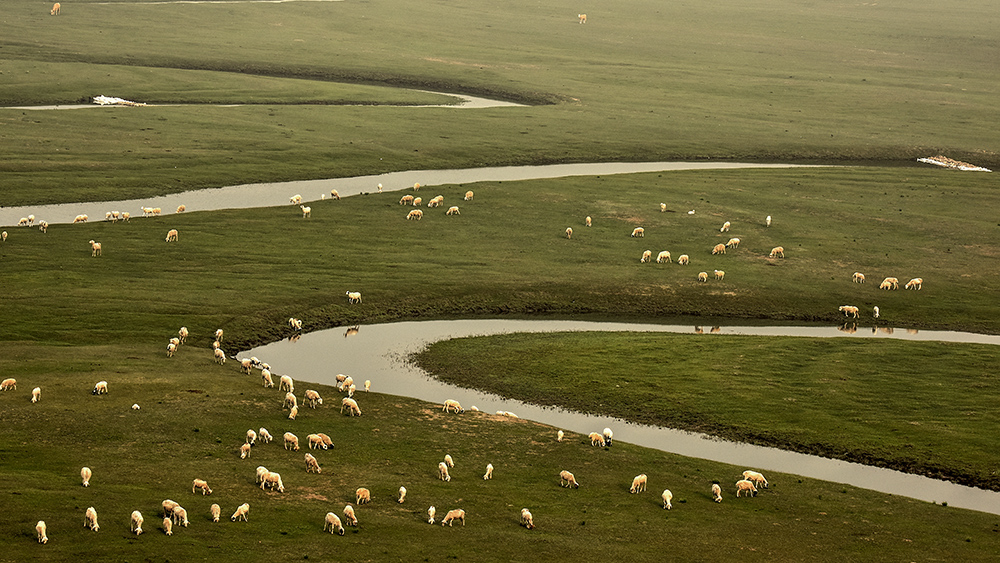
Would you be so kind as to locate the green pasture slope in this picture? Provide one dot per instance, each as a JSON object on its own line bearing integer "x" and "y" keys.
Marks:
{"x": 863, "y": 84}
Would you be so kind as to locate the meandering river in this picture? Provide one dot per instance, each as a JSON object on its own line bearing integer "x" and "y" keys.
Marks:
{"x": 380, "y": 353}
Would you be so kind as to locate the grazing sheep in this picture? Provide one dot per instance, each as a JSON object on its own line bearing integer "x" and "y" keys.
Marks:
{"x": 683, "y": 260}
{"x": 157, "y": 211}
{"x": 747, "y": 486}
{"x": 368, "y": 385}
{"x": 201, "y": 484}
{"x": 101, "y": 387}
{"x": 559, "y": 436}
{"x": 379, "y": 188}
{"x": 314, "y": 442}
{"x": 667, "y": 496}
{"x": 351, "y": 405}
{"x": 489, "y": 472}
{"x": 55, "y": 11}
{"x": 915, "y": 283}
{"x": 90, "y": 519}
{"x": 312, "y": 466}
{"x": 452, "y": 404}
{"x": 436, "y": 201}
{"x": 646, "y": 256}
{"x": 80, "y": 219}
{"x": 402, "y": 495}
{"x": 716, "y": 492}
{"x": 608, "y": 436}
{"x": 95, "y": 248}
{"x": 777, "y": 252}
{"x": 469, "y": 195}
{"x": 220, "y": 356}
{"x": 663, "y": 208}
{"x": 125, "y": 216}
{"x": 285, "y": 383}
{"x": 241, "y": 512}
{"x": 582, "y": 18}
{"x": 456, "y": 514}
{"x": 443, "y": 472}
{"x": 719, "y": 274}
{"x": 313, "y": 398}
{"x": 767, "y": 221}
{"x": 40, "y": 528}
{"x": 216, "y": 345}
{"x": 756, "y": 478}
{"x": 362, "y": 496}
{"x": 272, "y": 479}
{"x": 295, "y": 199}
{"x": 663, "y": 256}
{"x": 168, "y": 526}
{"x": 265, "y": 378}
{"x": 175, "y": 341}
{"x": 264, "y": 435}
{"x": 306, "y": 211}
{"x": 449, "y": 461}
{"x": 327, "y": 442}
{"x": 261, "y": 472}
{"x": 43, "y": 226}
{"x": 347, "y": 382}
{"x": 725, "y": 227}
{"x": 875, "y": 311}
{"x": 406, "y": 200}
{"x": 293, "y": 412}
{"x": 349, "y": 516}
{"x": 180, "y": 516}
{"x": 136, "y": 525}
{"x": 849, "y": 310}
{"x": 569, "y": 232}
{"x": 703, "y": 276}
{"x": 172, "y": 235}
{"x": 453, "y": 210}
{"x": 430, "y": 515}
{"x": 596, "y": 439}
{"x": 354, "y": 297}
{"x": 858, "y": 277}
{"x": 36, "y": 394}
{"x": 719, "y": 249}
{"x": 181, "y": 208}
{"x": 332, "y": 521}
{"x": 246, "y": 364}
{"x": 638, "y": 232}
{"x": 638, "y": 484}
{"x": 526, "y": 519}
{"x": 588, "y": 221}
{"x": 416, "y": 186}
{"x": 182, "y": 334}
{"x": 23, "y": 222}
{"x": 3, "y": 236}
{"x": 216, "y": 511}
{"x": 508, "y": 414}
{"x": 292, "y": 440}
{"x": 169, "y": 506}
{"x": 733, "y": 243}
{"x": 245, "y": 451}
{"x": 171, "y": 348}
{"x": 567, "y": 479}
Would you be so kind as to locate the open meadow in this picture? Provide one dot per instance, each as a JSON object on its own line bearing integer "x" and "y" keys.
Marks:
{"x": 266, "y": 92}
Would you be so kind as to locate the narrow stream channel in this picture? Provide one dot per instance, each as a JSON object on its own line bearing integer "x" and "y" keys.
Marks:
{"x": 380, "y": 352}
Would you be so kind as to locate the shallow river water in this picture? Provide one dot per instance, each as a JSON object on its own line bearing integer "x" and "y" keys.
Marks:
{"x": 379, "y": 353}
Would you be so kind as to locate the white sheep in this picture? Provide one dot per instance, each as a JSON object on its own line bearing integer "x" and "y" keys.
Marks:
{"x": 858, "y": 277}
{"x": 95, "y": 248}
{"x": 40, "y": 528}
{"x": 55, "y": 11}
{"x": 663, "y": 256}
{"x": 380, "y": 188}
{"x": 246, "y": 364}
{"x": 216, "y": 345}
{"x": 489, "y": 472}
{"x": 875, "y": 311}
{"x": 560, "y": 435}
{"x": 8, "y": 384}
{"x": 313, "y": 398}
{"x": 402, "y": 495}
{"x": 725, "y": 227}
{"x": 85, "y": 475}
{"x": 354, "y": 297}
{"x": 569, "y": 232}
{"x": 416, "y": 186}
{"x": 216, "y": 511}
{"x": 327, "y": 442}
{"x": 777, "y": 252}
{"x": 349, "y": 516}
{"x": 220, "y": 356}
{"x": 453, "y": 210}
{"x": 23, "y": 222}
{"x": 452, "y": 404}
{"x": 567, "y": 479}
{"x": 456, "y": 514}
{"x": 362, "y": 496}
{"x": 265, "y": 378}
{"x": 469, "y": 195}
{"x": 638, "y": 232}
{"x": 181, "y": 208}
{"x": 172, "y": 235}
{"x": 335, "y": 195}
{"x": 168, "y": 526}
{"x": 449, "y": 461}
{"x": 667, "y": 496}
{"x": 733, "y": 243}
{"x": 756, "y": 478}
{"x": 703, "y": 276}
{"x": 306, "y": 211}
{"x": 295, "y": 199}
{"x": 719, "y": 274}
{"x": 245, "y": 451}
{"x": 169, "y": 506}
{"x": 315, "y": 442}
{"x": 744, "y": 485}
{"x": 915, "y": 283}
{"x": 136, "y": 525}
{"x": 443, "y": 472}
{"x": 368, "y": 385}
{"x": 683, "y": 260}
{"x": 332, "y": 521}
{"x": 663, "y": 208}
{"x": 241, "y": 512}
{"x": 596, "y": 439}
{"x": 638, "y": 484}
{"x": 849, "y": 310}
{"x": 291, "y": 440}
{"x": 36, "y": 394}
{"x": 647, "y": 256}
{"x": 202, "y": 485}
{"x": 407, "y": 200}
{"x": 719, "y": 249}
{"x": 608, "y": 436}
{"x": 582, "y": 18}
{"x": 125, "y": 216}
{"x": 312, "y": 466}
{"x": 526, "y": 519}
{"x": 264, "y": 435}
{"x": 100, "y": 388}
{"x": 90, "y": 519}
{"x": 272, "y": 479}
{"x": 171, "y": 349}
{"x": 80, "y": 219}
{"x": 588, "y": 221}
{"x": 716, "y": 492}
{"x": 767, "y": 221}
{"x": 430, "y": 515}
{"x": 43, "y": 226}
{"x": 3, "y": 236}
{"x": 290, "y": 401}
{"x": 180, "y": 516}
{"x": 293, "y": 412}
{"x": 347, "y": 382}
{"x": 351, "y": 405}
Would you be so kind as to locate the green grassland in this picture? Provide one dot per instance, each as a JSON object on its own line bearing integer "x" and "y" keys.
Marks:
{"x": 324, "y": 89}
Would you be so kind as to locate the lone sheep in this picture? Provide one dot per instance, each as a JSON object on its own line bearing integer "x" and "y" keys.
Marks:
{"x": 915, "y": 283}
{"x": 716, "y": 492}
{"x": 90, "y": 519}
{"x": 136, "y": 525}
{"x": 241, "y": 512}
{"x": 452, "y": 404}
{"x": 85, "y": 475}
{"x": 40, "y": 528}
{"x": 849, "y": 310}
{"x": 569, "y": 232}
{"x": 456, "y": 514}
{"x": 719, "y": 274}
{"x": 647, "y": 256}
{"x": 683, "y": 260}
{"x": 453, "y": 210}
{"x": 362, "y": 496}
{"x": 55, "y": 11}
{"x": 725, "y": 227}
{"x": 733, "y": 243}
{"x": 858, "y": 277}
{"x": 354, "y": 297}
{"x": 306, "y": 211}
{"x": 567, "y": 479}
{"x": 430, "y": 515}
{"x": 202, "y": 485}
{"x": 172, "y": 235}
{"x": 638, "y": 484}
{"x": 100, "y": 388}
{"x": 638, "y": 232}
{"x": 36, "y": 394}
{"x": 95, "y": 248}
{"x": 489, "y": 472}
{"x": 469, "y": 195}
{"x": 667, "y": 497}
{"x": 777, "y": 252}
{"x": 443, "y": 472}
{"x": 582, "y": 18}
{"x": 526, "y": 519}
{"x": 703, "y": 276}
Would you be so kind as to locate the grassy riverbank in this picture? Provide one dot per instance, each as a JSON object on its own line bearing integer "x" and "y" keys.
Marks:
{"x": 918, "y": 407}
{"x": 195, "y": 413}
